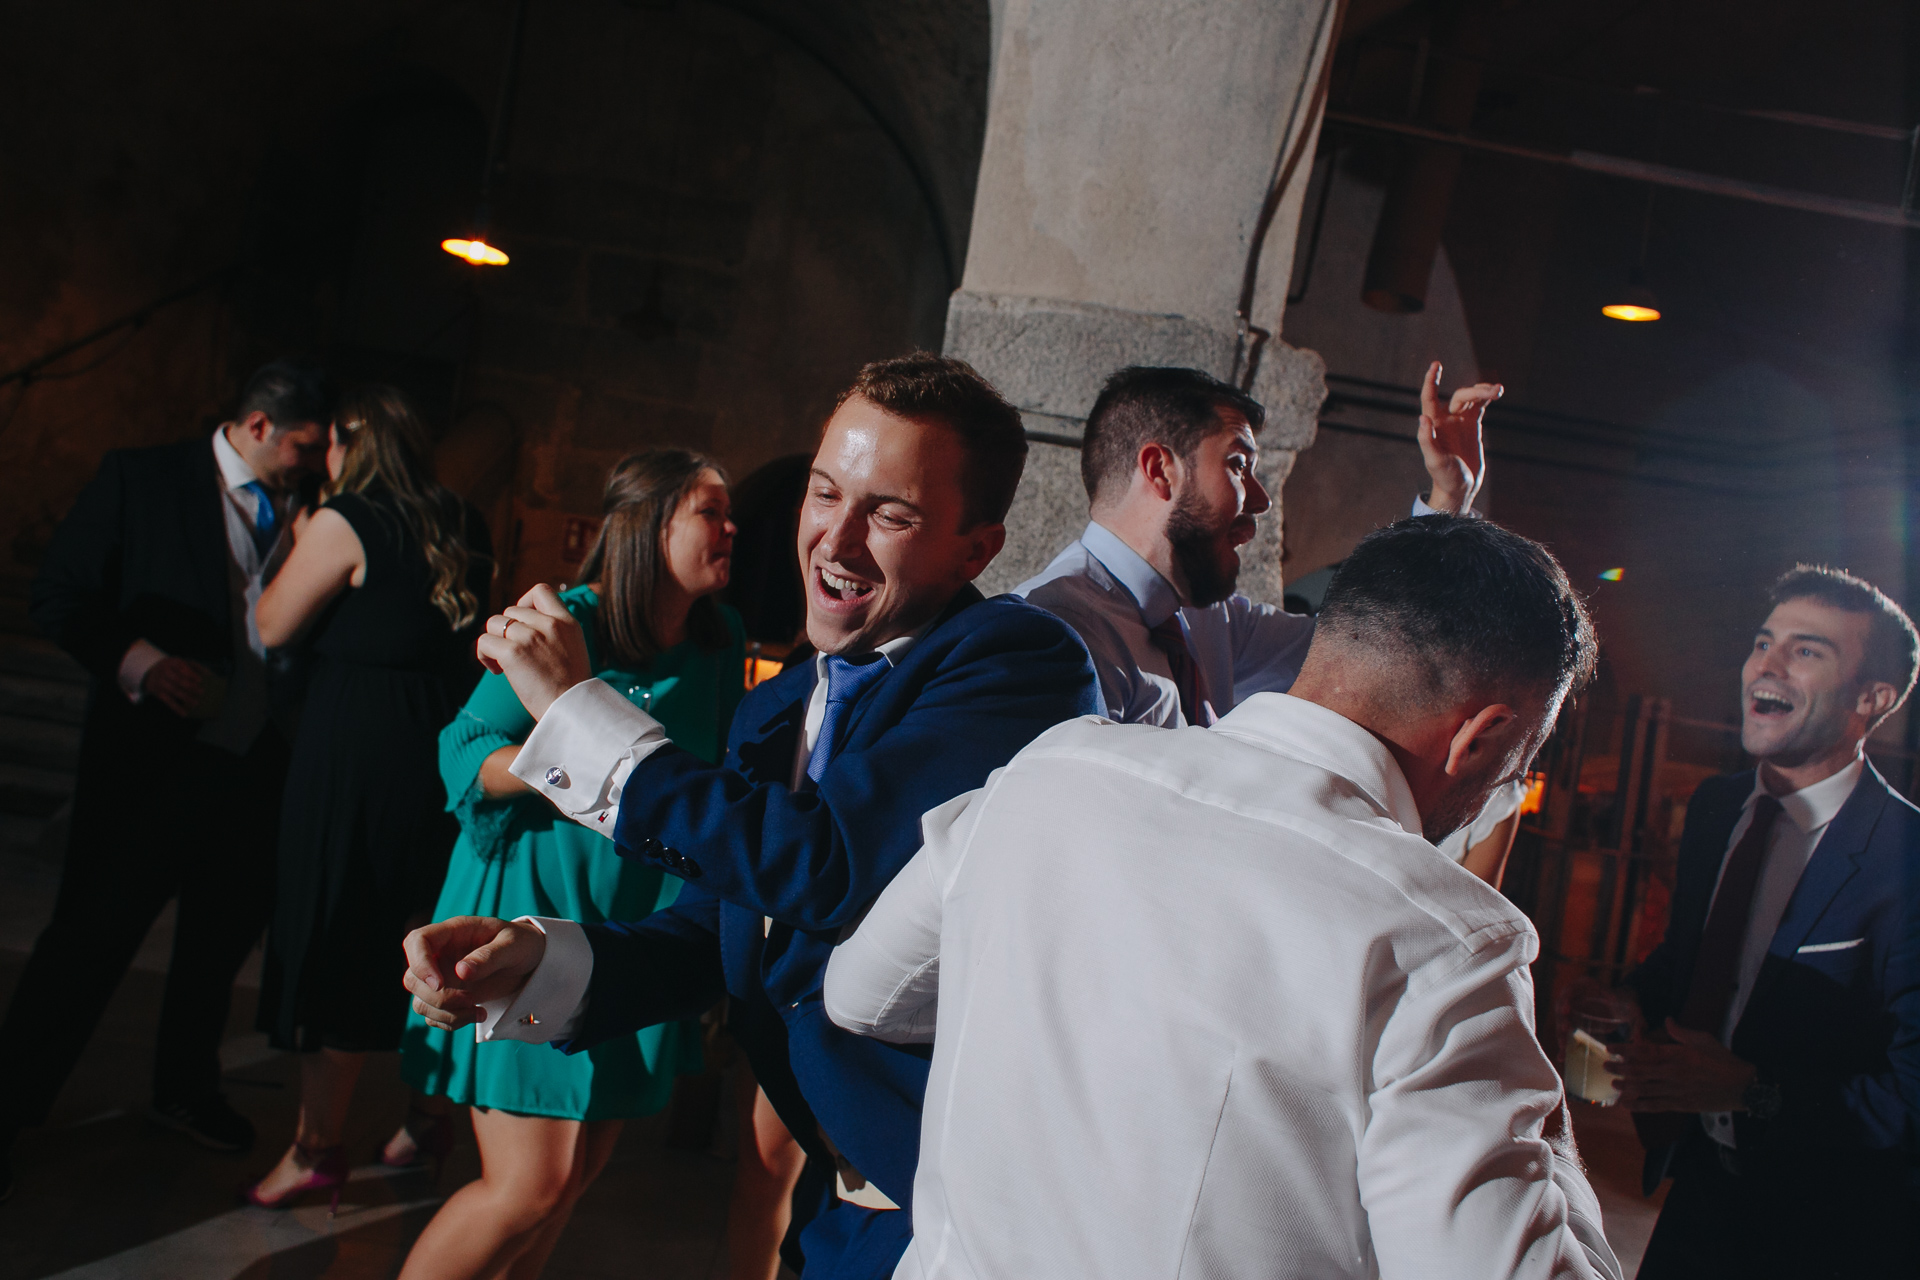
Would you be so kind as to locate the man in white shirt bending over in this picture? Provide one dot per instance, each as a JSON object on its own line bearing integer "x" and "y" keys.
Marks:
{"x": 1210, "y": 1003}
{"x": 1168, "y": 461}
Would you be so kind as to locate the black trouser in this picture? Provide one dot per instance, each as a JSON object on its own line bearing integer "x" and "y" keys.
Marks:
{"x": 191, "y": 822}
{"x": 1842, "y": 1214}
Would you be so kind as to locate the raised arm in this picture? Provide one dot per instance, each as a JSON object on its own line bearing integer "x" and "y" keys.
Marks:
{"x": 1451, "y": 441}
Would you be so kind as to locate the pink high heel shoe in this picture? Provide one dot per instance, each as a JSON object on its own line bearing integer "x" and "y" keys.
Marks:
{"x": 431, "y": 1145}
{"x": 327, "y": 1171}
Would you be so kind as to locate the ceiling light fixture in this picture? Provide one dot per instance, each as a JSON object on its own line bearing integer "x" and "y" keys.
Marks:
{"x": 475, "y": 248}
{"x": 1636, "y": 303}
{"x": 476, "y": 251}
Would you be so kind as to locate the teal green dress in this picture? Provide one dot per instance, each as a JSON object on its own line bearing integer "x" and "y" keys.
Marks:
{"x": 518, "y": 857}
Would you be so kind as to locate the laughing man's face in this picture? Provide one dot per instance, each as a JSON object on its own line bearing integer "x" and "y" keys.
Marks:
{"x": 881, "y": 542}
{"x": 1801, "y": 693}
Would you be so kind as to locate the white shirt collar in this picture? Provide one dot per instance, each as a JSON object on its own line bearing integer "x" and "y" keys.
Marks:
{"x": 234, "y": 471}
{"x": 1813, "y": 807}
{"x": 1156, "y": 597}
{"x": 893, "y": 650}
{"x": 1311, "y": 733}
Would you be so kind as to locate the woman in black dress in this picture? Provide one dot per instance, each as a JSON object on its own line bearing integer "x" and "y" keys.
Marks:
{"x": 391, "y": 574}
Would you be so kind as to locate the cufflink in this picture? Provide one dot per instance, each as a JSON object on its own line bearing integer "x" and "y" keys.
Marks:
{"x": 528, "y": 1020}
{"x": 556, "y": 777}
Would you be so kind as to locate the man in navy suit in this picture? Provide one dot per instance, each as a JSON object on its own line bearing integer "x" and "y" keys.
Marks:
{"x": 920, "y": 689}
{"x": 149, "y": 583}
{"x": 1784, "y": 1001}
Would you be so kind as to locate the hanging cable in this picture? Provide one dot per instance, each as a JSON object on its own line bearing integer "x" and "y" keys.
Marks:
{"x": 1249, "y": 337}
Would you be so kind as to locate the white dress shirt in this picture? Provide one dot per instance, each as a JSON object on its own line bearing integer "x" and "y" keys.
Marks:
{"x": 579, "y": 756}
{"x": 1804, "y": 816}
{"x": 243, "y": 707}
{"x": 1208, "y": 1005}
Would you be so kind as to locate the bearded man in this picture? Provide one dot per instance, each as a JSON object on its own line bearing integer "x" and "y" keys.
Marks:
{"x": 1168, "y": 460}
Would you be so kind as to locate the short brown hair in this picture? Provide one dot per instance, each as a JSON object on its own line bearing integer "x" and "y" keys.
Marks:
{"x": 1144, "y": 404}
{"x": 925, "y": 387}
{"x": 1893, "y": 647}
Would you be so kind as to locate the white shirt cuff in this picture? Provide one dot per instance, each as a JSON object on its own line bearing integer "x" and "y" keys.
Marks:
{"x": 554, "y": 1000}
{"x": 134, "y": 665}
{"x": 583, "y": 749}
{"x": 1420, "y": 507}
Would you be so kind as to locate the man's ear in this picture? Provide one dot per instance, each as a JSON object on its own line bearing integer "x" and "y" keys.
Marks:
{"x": 257, "y": 425}
{"x": 1877, "y": 698}
{"x": 1480, "y": 733}
{"x": 1159, "y": 469}
{"x": 987, "y": 541}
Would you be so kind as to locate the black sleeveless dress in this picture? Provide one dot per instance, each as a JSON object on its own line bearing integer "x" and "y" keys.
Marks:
{"x": 364, "y": 831}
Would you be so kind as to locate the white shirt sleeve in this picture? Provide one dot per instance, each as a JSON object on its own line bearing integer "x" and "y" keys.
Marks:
{"x": 139, "y": 659}
{"x": 581, "y": 752}
{"x": 1454, "y": 1172}
{"x": 554, "y": 1000}
{"x": 884, "y": 981}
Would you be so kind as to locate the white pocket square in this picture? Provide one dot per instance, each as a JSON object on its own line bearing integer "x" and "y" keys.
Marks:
{"x": 1813, "y": 948}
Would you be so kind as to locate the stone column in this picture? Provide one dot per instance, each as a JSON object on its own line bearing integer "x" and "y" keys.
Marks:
{"x": 1145, "y": 160}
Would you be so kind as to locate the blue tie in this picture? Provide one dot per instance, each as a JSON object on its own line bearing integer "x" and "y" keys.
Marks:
{"x": 266, "y": 520}
{"x": 846, "y": 681}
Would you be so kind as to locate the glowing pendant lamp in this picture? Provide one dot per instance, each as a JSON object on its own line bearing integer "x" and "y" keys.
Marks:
{"x": 475, "y": 248}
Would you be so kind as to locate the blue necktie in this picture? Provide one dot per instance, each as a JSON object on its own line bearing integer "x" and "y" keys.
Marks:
{"x": 266, "y": 519}
{"x": 846, "y": 681}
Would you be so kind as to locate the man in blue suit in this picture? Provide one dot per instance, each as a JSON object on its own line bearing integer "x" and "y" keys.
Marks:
{"x": 921, "y": 688}
{"x": 1783, "y": 1070}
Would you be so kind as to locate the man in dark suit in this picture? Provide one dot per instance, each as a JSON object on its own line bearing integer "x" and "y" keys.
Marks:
{"x": 1780, "y": 1083}
{"x": 149, "y": 582}
{"x": 920, "y": 689}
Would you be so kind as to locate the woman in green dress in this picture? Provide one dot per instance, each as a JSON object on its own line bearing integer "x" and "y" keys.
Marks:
{"x": 545, "y": 1121}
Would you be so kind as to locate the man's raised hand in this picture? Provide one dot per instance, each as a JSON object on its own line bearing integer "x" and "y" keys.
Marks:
{"x": 456, "y": 964}
{"x": 538, "y": 646}
{"x": 1450, "y": 440}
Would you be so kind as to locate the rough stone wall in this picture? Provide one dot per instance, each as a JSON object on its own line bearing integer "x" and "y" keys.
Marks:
{"x": 1129, "y": 155}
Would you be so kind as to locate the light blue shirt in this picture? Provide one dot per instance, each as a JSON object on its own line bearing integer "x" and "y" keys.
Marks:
{"x": 1103, "y": 589}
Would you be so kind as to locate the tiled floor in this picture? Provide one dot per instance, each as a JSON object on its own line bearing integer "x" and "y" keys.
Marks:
{"x": 105, "y": 1196}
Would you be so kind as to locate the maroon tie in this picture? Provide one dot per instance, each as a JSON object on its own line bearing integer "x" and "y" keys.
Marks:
{"x": 1716, "y": 966}
{"x": 1171, "y": 639}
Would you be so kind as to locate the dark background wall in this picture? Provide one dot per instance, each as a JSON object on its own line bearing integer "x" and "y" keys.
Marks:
{"x": 716, "y": 212}
{"x": 1765, "y": 419}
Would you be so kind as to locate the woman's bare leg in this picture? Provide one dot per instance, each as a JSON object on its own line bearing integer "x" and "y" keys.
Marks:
{"x": 530, "y": 1171}
{"x": 762, "y": 1204}
{"x": 600, "y": 1139}
{"x": 326, "y": 1090}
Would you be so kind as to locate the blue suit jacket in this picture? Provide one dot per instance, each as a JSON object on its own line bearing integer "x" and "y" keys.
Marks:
{"x": 1837, "y": 1026}
{"x": 986, "y": 679}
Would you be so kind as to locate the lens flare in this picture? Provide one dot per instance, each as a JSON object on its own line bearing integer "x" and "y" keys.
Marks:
{"x": 1612, "y": 575}
{"x": 1630, "y": 311}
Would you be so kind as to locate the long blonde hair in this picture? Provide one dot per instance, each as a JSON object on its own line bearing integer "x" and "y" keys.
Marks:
{"x": 387, "y": 445}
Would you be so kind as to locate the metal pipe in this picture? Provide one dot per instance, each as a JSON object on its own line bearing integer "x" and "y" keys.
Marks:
{"x": 1644, "y": 171}
{"x": 135, "y": 319}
